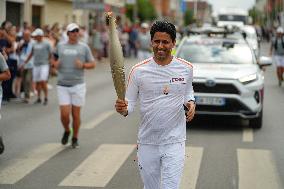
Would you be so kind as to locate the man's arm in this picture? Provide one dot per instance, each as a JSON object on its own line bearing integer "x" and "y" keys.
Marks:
{"x": 189, "y": 97}
{"x": 85, "y": 65}
{"x": 5, "y": 75}
{"x": 90, "y": 61}
{"x": 29, "y": 57}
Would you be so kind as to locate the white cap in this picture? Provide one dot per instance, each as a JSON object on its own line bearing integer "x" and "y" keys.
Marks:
{"x": 279, "y": 30}
{"x": 38, "y": 32}
{"x": 144, "y": 25}
{"x": 72, "y": 27}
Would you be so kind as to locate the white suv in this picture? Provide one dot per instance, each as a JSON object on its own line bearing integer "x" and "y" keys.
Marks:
{"x": 228, "y": 80}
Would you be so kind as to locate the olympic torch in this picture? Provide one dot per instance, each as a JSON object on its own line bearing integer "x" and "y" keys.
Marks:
{"x": 116, "y": 57}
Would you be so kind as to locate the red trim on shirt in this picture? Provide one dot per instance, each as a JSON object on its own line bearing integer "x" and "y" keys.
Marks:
{"x": 136, "y": 66}
{"x": 185, "y": 62}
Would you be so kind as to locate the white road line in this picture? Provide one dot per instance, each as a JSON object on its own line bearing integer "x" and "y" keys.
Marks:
{"x": 17, "y": 169}
{"x": 98, "y": 169}
{"x": 191, "y": 167}
{"x": 248, "y": 135}
{"x": 257, "y": 170}
{"x": 98, "y": 120}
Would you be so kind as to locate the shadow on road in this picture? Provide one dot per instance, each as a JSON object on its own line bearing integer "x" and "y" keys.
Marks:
{"x": 217, "y": 123}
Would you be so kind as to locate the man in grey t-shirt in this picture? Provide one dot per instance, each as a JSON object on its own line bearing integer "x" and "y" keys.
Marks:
{"x": 41, "y": 52}
{"x": 4, "y": 75}
{"x": 71, "y": 58}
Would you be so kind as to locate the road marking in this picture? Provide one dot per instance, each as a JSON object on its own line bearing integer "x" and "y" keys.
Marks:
{"x": 191, "y": 167}
{"x": 257, "y": 170}
{"x": 248, "y": 135}
{"x": 103, "y": 116}
{"x": 98, "y": 169}
{"x": 17, "y": 169}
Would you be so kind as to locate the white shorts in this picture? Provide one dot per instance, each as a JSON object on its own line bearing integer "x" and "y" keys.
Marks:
{"x": 279, "y": 60}
{"x": 74, "y": 95}
{"x": 161, "y": 166}
{"x": 40, "y": 73}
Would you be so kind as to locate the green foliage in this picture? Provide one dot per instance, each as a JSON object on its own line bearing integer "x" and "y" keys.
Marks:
{"x": 146, "y": 10}
{"x": 188, "y": 17}
{"x": 256, "y": 15}
{"x": 129, "y": 11}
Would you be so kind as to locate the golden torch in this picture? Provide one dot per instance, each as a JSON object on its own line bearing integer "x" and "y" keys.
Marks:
{"x": 116, "y": 57}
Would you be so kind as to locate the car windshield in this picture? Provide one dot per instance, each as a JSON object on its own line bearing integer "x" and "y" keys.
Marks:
{"x": 239, "y": 18}
{"x": 215, "y": 52}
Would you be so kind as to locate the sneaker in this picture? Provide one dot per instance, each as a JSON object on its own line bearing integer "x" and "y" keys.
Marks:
{"x": 38, "y": 101}
{"x": 75, "y": 143}
{"x": 1, "y": 146}
{"x": 45, "y": 101}
{"x": 65, "y": 137}
{"x": 279, "y": 83}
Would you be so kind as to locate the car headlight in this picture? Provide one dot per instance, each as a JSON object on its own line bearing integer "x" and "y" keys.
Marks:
{"x": 248, "y": 79}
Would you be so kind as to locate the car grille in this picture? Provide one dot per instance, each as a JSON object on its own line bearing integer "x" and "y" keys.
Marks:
{"x": 231, "y": 105}
{"x": 218, "y": 88}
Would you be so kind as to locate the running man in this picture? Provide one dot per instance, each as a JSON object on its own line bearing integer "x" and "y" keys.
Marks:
{"x": 163, "y": 84}
{"x": 4, "y": 75}
{"x": 277, "y": 49}
{"x": 71, "y": 59}
{"x": 42, "y": 53}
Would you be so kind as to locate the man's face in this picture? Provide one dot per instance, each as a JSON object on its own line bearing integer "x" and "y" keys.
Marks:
{"x": 38, "y": 38}
{"x": 74, "y": 34}
{"x": 27, "y": 36}
{"x": 162, "y": 45}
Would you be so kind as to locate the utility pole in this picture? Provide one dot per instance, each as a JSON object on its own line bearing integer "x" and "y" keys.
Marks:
{"x": 135, "y": 11}
{"x": 195, "y": 8}
{"x": 28, "y": 12}
{"x": 2, "y": 10}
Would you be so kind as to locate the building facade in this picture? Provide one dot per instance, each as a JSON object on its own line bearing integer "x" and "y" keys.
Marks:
{"x": 40, "y": 12}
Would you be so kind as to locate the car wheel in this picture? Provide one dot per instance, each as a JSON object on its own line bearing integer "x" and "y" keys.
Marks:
{"x": 256, "y": 123}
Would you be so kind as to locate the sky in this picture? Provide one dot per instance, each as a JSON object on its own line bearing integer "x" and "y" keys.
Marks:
{"x": 243, "y": 4}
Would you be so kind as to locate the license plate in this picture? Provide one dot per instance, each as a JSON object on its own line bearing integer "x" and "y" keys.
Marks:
{"x": 215, "y": 101}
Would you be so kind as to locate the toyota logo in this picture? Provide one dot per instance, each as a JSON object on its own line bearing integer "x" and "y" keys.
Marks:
{"x": 210, "y": 83}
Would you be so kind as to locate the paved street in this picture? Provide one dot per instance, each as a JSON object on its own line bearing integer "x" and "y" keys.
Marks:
{"x": 221, "y": 154}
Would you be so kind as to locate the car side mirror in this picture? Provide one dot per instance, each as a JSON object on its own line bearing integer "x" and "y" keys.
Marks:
{"x": 265, "y": 61}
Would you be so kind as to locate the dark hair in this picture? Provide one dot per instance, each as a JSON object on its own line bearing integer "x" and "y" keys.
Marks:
{"x": 163, "y": 26}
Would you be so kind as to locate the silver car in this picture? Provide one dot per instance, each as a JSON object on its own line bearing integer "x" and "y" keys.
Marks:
{"x": 228, "y": 80}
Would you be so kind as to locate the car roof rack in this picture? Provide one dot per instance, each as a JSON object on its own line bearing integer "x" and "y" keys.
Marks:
{"x": 213, "y": 31}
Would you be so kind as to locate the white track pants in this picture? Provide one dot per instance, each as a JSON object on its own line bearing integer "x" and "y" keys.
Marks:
{"x": 161, "y": 166}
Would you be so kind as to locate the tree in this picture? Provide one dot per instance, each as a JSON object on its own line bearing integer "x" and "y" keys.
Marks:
{"x": 145, "y": 9}
{"x": 188, "y": 17}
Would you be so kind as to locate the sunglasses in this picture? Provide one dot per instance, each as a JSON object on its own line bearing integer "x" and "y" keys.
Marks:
{"x": 75, "y": 30}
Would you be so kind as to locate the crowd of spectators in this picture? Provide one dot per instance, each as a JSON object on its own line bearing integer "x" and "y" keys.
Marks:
{"x": 16, "y": 45}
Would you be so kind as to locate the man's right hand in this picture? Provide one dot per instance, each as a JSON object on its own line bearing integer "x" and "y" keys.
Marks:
{"x": 121, "y": 106}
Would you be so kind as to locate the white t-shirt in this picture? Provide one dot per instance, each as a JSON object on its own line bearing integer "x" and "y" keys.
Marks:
{"x": 162, "y": 91}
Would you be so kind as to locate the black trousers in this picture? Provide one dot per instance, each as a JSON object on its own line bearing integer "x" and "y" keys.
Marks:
{"x": 7, "y": 85}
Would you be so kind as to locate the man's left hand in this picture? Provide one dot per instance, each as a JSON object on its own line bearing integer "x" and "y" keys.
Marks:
{"x": 191, "y": 110}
